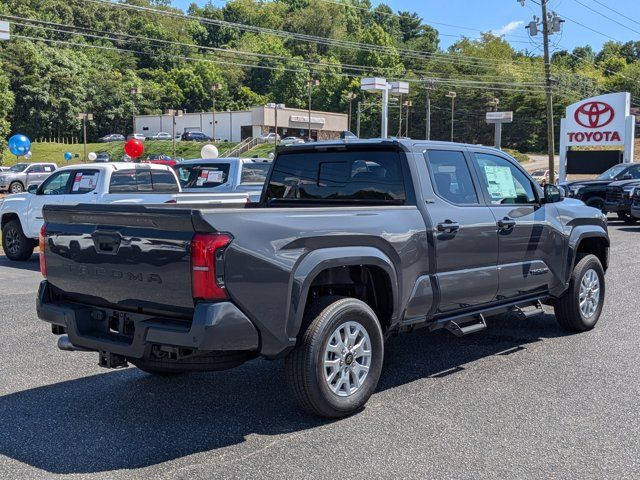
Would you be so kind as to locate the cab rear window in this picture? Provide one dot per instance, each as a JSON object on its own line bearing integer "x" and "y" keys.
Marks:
{"x": 368, "y": 177}
{"x": 143, "y": 181}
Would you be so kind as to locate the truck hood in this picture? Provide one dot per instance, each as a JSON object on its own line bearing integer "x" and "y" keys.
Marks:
{"x": 587, "y": 183}
{"x": 624, "y": 183}
{"x": 15, "y": 200}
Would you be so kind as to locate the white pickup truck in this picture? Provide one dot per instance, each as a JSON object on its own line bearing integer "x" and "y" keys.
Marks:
{"x": 21, "y": 214}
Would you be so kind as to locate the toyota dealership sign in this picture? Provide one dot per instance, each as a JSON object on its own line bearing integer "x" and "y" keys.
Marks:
{"x": 604, "y": 121}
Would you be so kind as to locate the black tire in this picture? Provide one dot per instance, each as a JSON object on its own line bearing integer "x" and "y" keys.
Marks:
{"x": 567, "y": 307}
{"x": 210, "y": 362}
{"x": 305, "y": 363}
{"x": 626, "y": 217}
{"x": 15, "y": 244}
{"x": 596, "y": 202}
{"x": 16, "y": 187}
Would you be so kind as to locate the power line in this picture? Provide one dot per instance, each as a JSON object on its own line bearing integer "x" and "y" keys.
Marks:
{"x": 606, "y": 16}
{"x": 616, "y": 11}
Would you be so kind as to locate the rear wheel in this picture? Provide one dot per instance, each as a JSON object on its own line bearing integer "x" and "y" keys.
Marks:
{"x": 626, "y": 217}
{"x": 16, "y": 187}
{"x": 14, "y": 242}
{"x": 579, "y": 309}
{"x": 336, "y": 365}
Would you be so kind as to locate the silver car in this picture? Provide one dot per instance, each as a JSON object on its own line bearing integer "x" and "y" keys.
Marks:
{"x": 18, "y": 178}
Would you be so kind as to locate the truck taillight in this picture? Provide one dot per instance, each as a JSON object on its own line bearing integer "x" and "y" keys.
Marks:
{"x": 207, "y": 276}
{"x": 42, "y": 246}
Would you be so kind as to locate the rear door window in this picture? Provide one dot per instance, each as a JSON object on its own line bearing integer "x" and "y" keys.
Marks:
{"x": 203, "y": 175}
{"x": 368, "y": 177}
{"x": 84, "y": 181}
{"x": 451, "y": 177}
{"x": 143, "y": 180}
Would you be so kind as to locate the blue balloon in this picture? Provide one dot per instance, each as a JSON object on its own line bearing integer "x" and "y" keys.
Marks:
{"x": 68, "y": 156}
{"x": 19, "y": 144}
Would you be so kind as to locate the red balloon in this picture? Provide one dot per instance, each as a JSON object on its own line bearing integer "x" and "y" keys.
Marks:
{"x": 134, "y": 148}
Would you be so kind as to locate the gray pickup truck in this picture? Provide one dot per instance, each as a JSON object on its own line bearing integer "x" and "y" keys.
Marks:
{"x": 350, "y": 243}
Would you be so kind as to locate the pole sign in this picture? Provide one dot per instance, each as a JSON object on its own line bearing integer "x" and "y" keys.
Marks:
{"x": 4, "y": 30}
{"x": 499, "y": 117}
{"x": 602, "y": 121}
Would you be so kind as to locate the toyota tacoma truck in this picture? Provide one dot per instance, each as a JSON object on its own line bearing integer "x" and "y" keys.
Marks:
{"x": 350, "y": 243}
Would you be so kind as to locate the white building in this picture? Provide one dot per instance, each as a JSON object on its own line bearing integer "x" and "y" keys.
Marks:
{"x": 239, "y": 125}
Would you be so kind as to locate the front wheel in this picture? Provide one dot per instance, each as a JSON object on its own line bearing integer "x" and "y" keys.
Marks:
{"x": 626, "y": 217}
{"x": 579, "y": 308}
{"x": 336, "y": 365}
{"x": 15, "y": 243}
{"x": 595, "y": 202}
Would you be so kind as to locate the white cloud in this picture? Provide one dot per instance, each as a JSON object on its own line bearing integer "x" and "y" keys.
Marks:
{"x": 508, "y": 28}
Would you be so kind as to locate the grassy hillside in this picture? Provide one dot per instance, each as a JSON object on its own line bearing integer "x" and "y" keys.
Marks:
{"x": 54, "y": 152}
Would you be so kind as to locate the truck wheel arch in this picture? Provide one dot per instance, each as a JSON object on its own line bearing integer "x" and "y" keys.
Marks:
{"x": 7, "y": 217}
{"x": 585, "y": 240}
{"x": 318, "y": 261}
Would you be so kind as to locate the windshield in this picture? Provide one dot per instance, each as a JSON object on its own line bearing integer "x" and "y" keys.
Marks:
{"x": 255, "y": 172}
{"x": 19, "y": 167}
{"x": 613, "y": 172}
{"x": 202, "y": 176}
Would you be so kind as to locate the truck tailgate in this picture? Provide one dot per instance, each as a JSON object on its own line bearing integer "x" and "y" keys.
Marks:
{"x": 124, "y": 256}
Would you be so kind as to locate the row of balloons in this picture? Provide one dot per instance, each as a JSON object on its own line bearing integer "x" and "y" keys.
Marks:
{"x": 20, "y": 146}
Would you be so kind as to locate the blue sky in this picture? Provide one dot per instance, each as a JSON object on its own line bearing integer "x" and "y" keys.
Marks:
{"x": 508, "y": 16}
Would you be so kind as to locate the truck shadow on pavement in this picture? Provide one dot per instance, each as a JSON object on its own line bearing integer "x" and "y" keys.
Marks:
{"x": 127, "y": 419}
{"x": 33, "y": 264}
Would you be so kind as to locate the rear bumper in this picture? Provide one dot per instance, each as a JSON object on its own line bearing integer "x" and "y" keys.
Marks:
{"x": 215, "y": 327}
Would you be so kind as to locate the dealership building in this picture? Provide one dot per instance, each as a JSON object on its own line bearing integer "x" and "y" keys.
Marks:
{"x": 236, "y": 126}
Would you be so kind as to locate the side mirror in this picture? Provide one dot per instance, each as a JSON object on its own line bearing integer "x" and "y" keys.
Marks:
{"x": 32, "y": 189}
{"x": 552, "y": 193}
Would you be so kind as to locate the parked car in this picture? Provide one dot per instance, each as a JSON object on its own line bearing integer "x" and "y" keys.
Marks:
{"x": 347, "y": 135}
{"x": 351, "y": 243}
{"x": 619, "y": 198}
{"x": 269, "y": 137}
{"x": 246, "y": 175}
{"x": 97, "y": 183}
{"x": 195, "y": 137}
{"x": 112, "y": 137}
{"x": 594, "y": 192}
{"x": 161, "y": 136}
{"x": 291, "y": 141}
{"x": 542, "y": 176}
{"x": 161, "y": 159}
{"x": 4, "y": 169}
{"x": 137, "y": 136}
{"x": 635, "y": 204}
{"x": 103, "y": 157}
{"x": 20, "y": 176}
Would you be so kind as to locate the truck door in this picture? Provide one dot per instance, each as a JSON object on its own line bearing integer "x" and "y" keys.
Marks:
{"x": 51, "y": 192}
{"x": 83, "y": 187}
{"x": 529, "y": 234}
{"x": 464, "y": 232}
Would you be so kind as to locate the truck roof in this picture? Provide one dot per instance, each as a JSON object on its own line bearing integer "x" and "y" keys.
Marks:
{"x": 404, "y": 143}
{"x": 115, "y": 166}
{"x": 225, "y": 159}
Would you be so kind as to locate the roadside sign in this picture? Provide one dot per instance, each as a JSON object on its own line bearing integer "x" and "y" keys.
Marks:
{"x": 499, "y": 117}
{"x": 4, "y": 30}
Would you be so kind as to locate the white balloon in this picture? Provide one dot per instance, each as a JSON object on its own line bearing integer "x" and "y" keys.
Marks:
{"x": 92, "y": 156}
{"x": 28, "y": 155}
{"x": 209, "y": 151}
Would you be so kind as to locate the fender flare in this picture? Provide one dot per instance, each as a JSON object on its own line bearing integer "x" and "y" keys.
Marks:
{"x": 321, "y": 259}
{"x": 578, "y": 234}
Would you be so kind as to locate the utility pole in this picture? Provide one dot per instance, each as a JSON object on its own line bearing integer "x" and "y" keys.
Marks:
{"x": 407, "y": 104}
{"x": 134, "y": 91}
{"x": 358, "y": 122}
{"x": 84, "y": 117}
{"x": 452, "y": 95}
{"x": 551, "y": 23}
{"x": 350, "y": 97}
{"x": 429, "y": 85}
{"x": 312, "y": 82}
{"x": 214, "y": 88}
{"x": 497, "y": 132}
{"x": 174, "y": 114}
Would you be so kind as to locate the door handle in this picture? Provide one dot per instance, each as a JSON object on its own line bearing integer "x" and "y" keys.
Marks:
{"x": 506, "y": 223}
{"x": 448, "y": 226}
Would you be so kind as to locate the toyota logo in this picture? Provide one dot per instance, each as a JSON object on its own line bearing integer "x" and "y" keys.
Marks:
{"x": 594, "y": 114}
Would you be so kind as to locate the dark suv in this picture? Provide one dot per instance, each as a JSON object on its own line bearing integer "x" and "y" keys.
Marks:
{"x": 195, "y": 137}
{"x": 594, "y": 192}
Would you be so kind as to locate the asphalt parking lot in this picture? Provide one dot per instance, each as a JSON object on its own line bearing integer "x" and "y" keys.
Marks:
{"x": 519, "y": 400}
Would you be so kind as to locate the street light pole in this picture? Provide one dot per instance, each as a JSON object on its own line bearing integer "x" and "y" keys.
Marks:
{"x": 214, "y": 88}
{"x": 350, "y": 97}
{"x": 230, "y": 125}
{"x": 312, "y": 82}
{"x": 452, "y": 95}
{"x": 407, "y": 104}
{"x": 174, "y": 114}
{"x": 358, "y": 120}
{"x": 134, "y": 91}
{"x": 84, "y": 117}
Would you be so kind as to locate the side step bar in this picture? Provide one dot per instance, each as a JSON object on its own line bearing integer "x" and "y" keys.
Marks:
{"x": 466, "y": 328}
